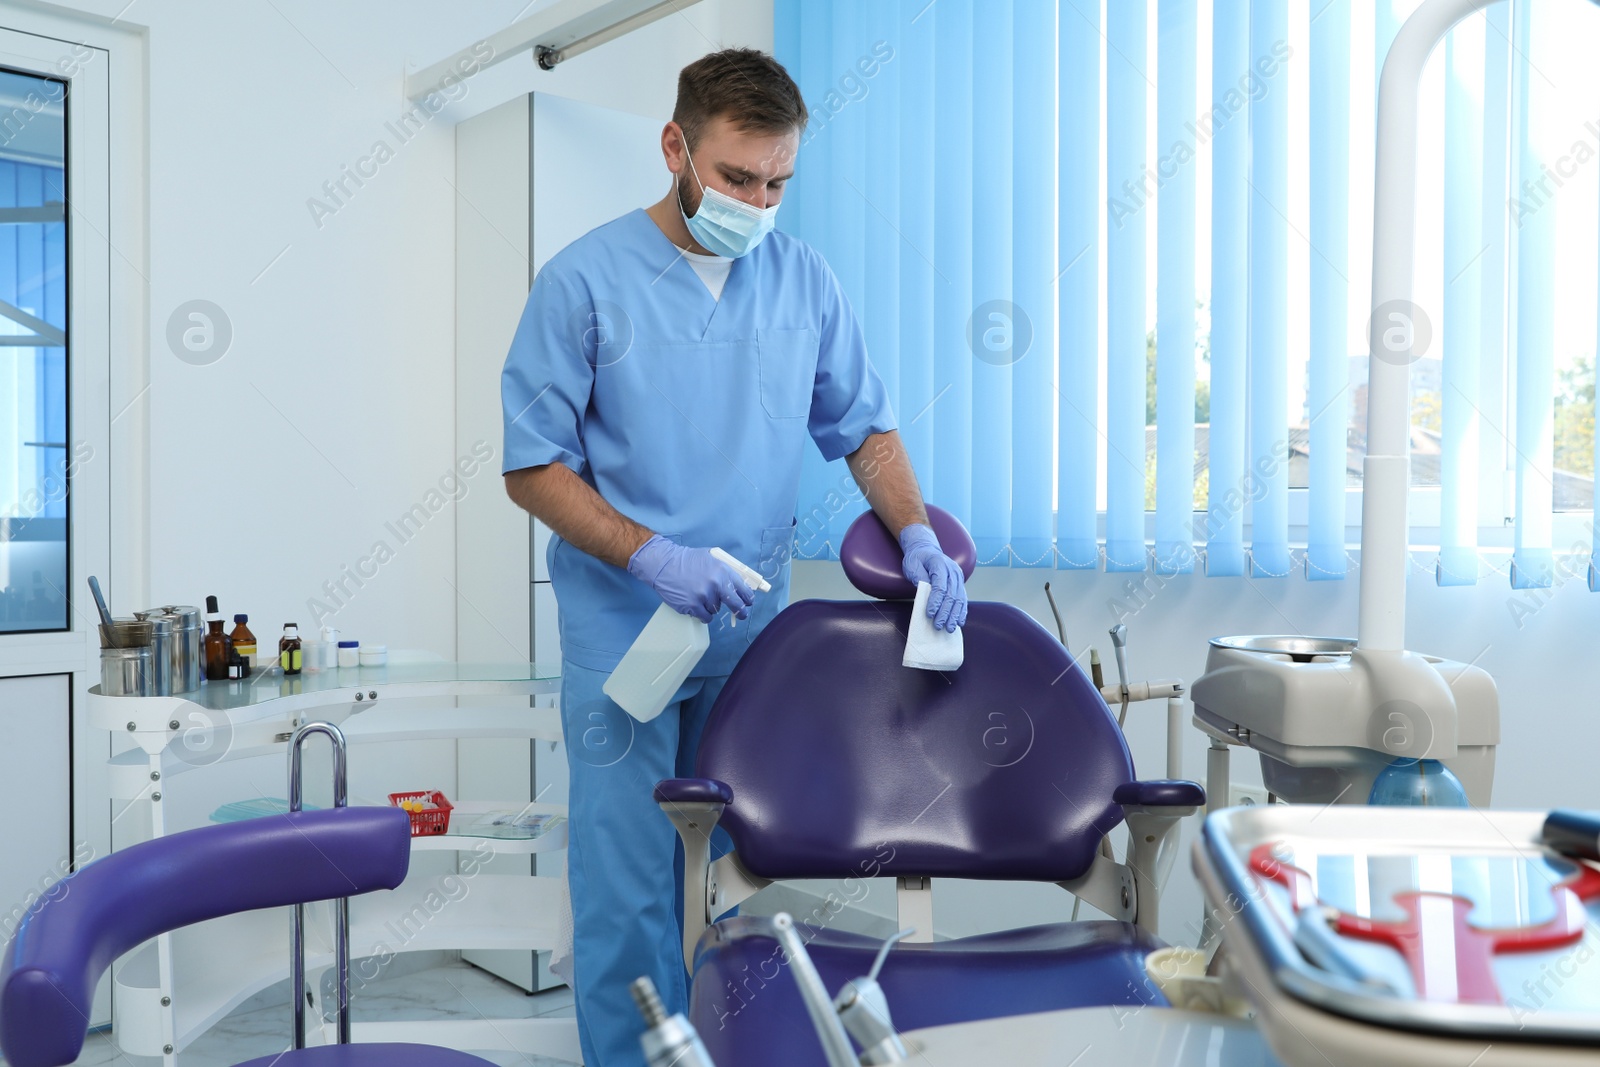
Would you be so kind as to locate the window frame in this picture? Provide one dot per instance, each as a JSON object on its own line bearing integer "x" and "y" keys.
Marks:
{"x": 86, "y": 176}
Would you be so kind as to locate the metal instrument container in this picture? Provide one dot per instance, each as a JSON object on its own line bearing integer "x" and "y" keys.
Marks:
{"x": 164, "y": 663}
{"x": 125, "y": 672}
{"x": 185, "y": 651}
{"x": 125, "y": 632}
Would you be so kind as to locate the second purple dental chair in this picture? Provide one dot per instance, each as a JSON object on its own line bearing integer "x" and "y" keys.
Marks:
{"x": 824, "y": 758}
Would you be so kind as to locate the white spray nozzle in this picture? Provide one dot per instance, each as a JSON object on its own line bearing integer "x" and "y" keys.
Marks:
{"x": 751, "y": 578}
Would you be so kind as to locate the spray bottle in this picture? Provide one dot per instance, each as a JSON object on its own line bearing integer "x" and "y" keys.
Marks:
{"x": 666, "y": 650}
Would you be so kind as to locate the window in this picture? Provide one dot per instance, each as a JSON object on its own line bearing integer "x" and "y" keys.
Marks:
{"x": 1113, "y": 260}
{"x": 35, "y": 454}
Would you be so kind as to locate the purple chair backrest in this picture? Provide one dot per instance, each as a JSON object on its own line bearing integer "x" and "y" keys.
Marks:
{"x": 843, "y": 762}
{"x": 871, "y": 556}
{"x": 87, "y": 920}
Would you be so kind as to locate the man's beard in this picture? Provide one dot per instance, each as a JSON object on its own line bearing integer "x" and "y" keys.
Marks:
{"x": 685, "y": 187}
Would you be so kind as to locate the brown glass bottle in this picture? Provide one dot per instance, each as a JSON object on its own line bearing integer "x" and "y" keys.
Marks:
{"x": 244, "y": 642}
{"x": 218, "y": 649}
{"x": 289, "y": 653}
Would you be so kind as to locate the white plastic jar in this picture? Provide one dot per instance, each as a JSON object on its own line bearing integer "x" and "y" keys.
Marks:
{"x": 349, "y": 653}
{"x": 374, "y": 655}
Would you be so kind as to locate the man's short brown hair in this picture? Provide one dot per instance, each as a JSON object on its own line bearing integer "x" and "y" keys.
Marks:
{"x": 743, "y": 84}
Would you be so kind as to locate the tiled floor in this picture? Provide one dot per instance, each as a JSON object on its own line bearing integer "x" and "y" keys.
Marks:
{"x": 261, "y": 1026}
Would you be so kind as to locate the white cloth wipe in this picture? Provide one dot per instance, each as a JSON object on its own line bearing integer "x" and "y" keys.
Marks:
{"x": 929, "y": 648}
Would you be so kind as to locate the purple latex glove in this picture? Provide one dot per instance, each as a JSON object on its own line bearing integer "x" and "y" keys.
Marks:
{"x": 925, "y": 561}
{"x": 691, "y": 580}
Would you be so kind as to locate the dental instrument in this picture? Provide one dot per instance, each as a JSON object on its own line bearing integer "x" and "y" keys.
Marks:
{"x": 859, "y": 1011}
{"x": 1119, "y": 640}
{"x": 1125, "y": 692}
{"x": 824, "y": 1017}
{"x": 1061, "y": 629}
{"x": 1209, "y": 1032}
{"x": 670, "y": 1041}
{"x": 864, "y": 1010}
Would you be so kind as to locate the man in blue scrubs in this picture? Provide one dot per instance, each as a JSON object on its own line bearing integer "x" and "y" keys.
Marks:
{"x": 658, "y": 394}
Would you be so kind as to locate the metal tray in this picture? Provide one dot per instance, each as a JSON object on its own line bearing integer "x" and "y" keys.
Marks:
{"x": 1358, "y": 857}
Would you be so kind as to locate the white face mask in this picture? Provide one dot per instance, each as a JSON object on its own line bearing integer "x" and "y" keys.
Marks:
{"x": 725, "y": 225}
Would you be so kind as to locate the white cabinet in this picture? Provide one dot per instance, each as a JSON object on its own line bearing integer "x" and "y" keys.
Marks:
{"x": 35, "y": 767}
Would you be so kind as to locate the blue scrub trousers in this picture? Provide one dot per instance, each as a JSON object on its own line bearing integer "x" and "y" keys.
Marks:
{"x": 624, "y": 862}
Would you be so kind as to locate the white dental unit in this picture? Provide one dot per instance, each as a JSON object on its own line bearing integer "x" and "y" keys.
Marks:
{"x": 1328, "y": 714}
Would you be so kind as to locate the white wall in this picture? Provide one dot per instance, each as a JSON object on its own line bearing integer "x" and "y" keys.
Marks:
{"x": 1538, "y": 645}
{"x": 278, "y": 466}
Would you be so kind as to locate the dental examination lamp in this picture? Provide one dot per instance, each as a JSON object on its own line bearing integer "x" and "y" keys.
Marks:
{"x": 1327, "y": 715}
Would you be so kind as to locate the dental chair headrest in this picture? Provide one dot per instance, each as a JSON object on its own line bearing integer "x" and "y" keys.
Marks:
{"x": 871, "y": 554}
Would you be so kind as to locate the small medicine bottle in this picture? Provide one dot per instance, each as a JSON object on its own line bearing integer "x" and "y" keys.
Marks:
{"x": 244, "y": 642}
{"x": 289, "y": 655}
{"x": 218, "y": 650}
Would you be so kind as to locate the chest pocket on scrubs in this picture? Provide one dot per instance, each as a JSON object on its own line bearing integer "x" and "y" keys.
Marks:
{"x": 788, "y": 367}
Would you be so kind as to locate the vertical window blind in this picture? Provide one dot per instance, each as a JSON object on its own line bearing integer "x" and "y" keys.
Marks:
{"x": 1112, "y": 260}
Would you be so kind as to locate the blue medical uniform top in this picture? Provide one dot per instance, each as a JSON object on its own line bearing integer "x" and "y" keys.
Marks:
{"x": 688, "y": 415}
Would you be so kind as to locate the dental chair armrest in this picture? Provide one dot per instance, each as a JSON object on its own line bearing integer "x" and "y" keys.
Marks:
{"x": 1161, "y": 792}
{"x": 694, "y": 806}
{"x": 1153, "y": 810}
{"x": 693, "y": 791}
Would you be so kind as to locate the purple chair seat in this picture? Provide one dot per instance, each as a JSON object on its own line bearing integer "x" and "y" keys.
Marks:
{"x": 375, "y": 1055}
{"x": 747, "y": 1008}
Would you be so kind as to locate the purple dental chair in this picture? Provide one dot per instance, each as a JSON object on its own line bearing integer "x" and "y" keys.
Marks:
{"x": 825, "y": 758}
{"x": 111, "y": 906}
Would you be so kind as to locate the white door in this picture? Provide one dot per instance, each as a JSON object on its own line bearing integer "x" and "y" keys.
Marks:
{"x": 55, "y": 456}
